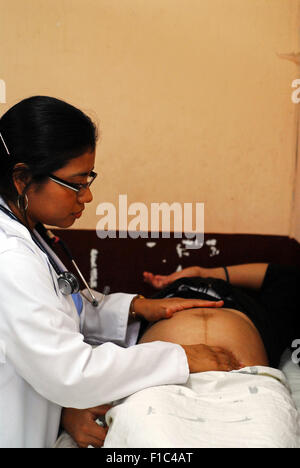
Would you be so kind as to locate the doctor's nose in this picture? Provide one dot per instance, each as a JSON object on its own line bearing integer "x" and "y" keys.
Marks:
{"x": 85, "y": 196}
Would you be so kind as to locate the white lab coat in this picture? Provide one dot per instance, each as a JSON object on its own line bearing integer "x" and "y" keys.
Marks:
{"x": 45, "y": 361}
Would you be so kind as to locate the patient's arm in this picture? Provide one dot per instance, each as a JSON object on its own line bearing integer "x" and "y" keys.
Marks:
{"x": 246, "y": 276}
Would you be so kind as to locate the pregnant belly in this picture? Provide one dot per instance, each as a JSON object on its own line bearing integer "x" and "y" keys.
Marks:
{"x": 227, "y": 328}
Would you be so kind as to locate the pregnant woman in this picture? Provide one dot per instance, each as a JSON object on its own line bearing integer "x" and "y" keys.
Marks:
{"x": 260, "y": 317}
{"x": 250, "y": 407}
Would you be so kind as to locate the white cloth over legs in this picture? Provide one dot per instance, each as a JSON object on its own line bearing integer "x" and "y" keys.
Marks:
{"x": 251, "y": 407}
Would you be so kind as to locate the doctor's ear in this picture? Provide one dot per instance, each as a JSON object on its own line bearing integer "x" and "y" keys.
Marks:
{"x": 21, "y": 177}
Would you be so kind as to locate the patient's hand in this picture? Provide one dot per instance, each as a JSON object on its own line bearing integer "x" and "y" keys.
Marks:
{"x": 153, "y": 310}
{"x": 202, "y": 358}
{"x": 161, "y": 281}
{"x": 82, "y": 426}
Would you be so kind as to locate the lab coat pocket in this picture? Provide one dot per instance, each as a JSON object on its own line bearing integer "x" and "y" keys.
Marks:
{"x": 2, "y": 352}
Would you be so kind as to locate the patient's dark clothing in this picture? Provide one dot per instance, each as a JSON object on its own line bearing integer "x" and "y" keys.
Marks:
{"x": 274, "y": 309}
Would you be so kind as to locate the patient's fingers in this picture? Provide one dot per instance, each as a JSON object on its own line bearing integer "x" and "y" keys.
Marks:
{"x": 148, "y": 277}
{"x": 153, "y": 280}
{"x": 157, "y": 281}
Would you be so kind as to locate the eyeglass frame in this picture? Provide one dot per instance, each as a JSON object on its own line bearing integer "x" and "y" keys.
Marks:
{"x": 70, "y": 185}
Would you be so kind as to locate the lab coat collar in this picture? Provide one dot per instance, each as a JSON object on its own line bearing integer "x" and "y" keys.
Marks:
{"x": 13, "y": 227}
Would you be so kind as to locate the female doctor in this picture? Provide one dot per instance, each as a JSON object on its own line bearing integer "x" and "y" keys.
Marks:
{"x": 47, "y": 361}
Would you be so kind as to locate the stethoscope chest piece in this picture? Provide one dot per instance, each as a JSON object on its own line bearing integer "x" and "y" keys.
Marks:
{"x": 68, "y": 283}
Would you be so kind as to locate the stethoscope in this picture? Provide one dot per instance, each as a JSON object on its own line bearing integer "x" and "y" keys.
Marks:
{"x": 68, "y": 283}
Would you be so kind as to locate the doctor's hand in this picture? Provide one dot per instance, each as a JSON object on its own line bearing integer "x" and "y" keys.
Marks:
{"x": 82, "y": 427}
{"x": 153, "y": 310}
{"x": 203, "y": 358}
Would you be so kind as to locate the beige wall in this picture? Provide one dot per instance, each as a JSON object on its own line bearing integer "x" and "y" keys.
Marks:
{"x": 193, "y": 101}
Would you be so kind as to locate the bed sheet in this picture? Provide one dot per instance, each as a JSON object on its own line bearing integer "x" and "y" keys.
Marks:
{"x": 292, "y": 373}
{"x": 214, "y": 409}
{"x": 249, "y": 408}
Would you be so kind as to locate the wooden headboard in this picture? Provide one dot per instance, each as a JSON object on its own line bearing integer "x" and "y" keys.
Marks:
{"x": 116, "y": 265}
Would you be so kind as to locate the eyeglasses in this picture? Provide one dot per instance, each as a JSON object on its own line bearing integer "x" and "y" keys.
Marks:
{"x": 79, "y": 188}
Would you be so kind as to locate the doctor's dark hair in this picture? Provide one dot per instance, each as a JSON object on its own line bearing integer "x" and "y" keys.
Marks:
{"x": 43, "y": 133}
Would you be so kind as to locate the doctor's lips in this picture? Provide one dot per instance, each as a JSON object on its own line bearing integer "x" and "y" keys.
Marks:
{"x": 78, "y": 214}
